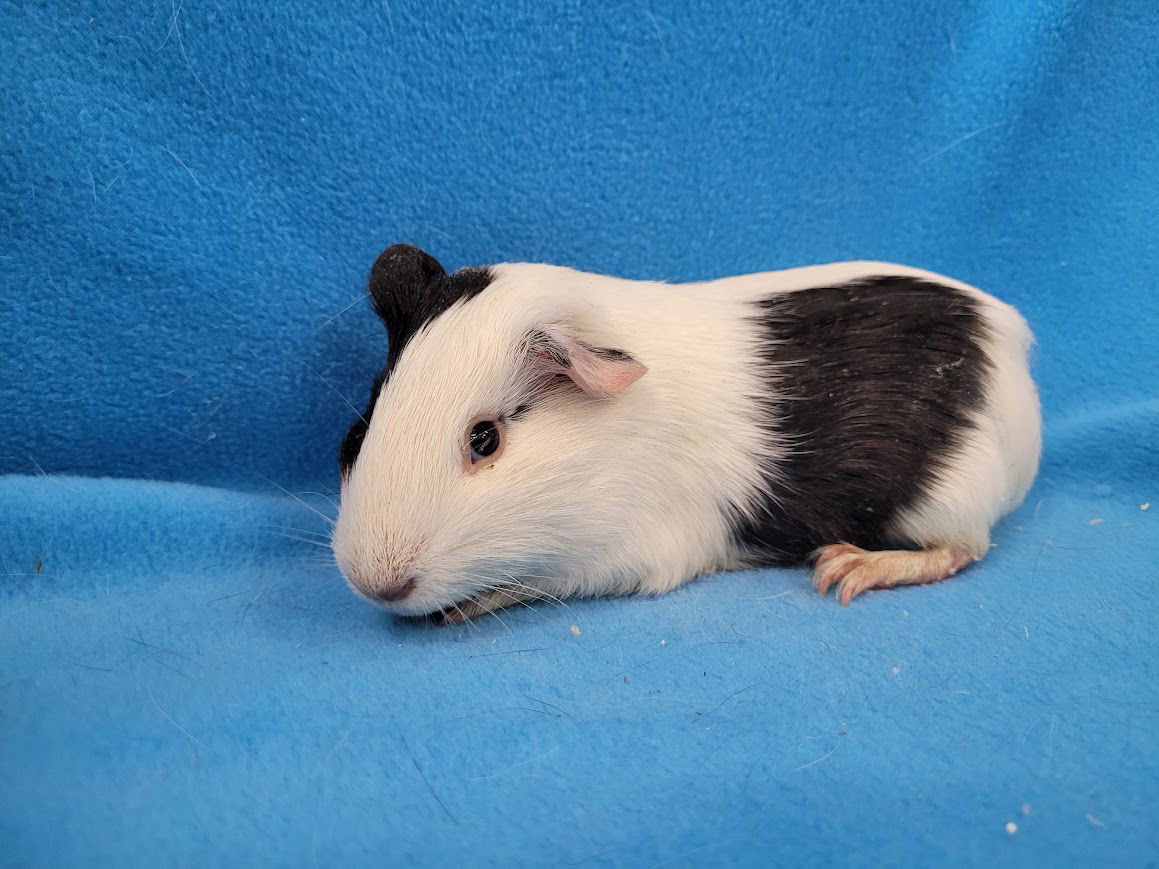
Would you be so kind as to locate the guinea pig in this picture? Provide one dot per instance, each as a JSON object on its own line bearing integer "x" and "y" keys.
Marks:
{"x": 542, "y": 433}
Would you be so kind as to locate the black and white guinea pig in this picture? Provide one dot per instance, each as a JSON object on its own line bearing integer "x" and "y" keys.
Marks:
{"x": 542, "y": 433}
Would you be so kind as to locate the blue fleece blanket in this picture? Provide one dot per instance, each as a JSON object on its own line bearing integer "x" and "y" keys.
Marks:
{"x": 193, "y": 193}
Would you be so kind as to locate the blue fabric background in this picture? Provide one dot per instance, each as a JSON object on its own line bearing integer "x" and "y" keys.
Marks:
{"x": 193, "y": 193}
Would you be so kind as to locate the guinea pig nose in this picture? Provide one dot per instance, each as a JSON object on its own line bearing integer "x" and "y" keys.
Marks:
{"x": 397, "y": 589}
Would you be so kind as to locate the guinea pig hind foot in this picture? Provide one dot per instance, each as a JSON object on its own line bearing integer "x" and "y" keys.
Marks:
{"x": 854, "y": 570}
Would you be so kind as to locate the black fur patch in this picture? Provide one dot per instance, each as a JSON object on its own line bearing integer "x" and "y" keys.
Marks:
{"x": 409, "y": 289}
{"x": 352, "y": 443}
{"x": 541, "y": 342}
{"x": 873, "y": 385}
{"x": 611, "y": 353}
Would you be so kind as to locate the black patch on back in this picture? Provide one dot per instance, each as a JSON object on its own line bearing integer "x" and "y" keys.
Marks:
{"x": 872, "y": 385}
{"x": 409, "y": 289}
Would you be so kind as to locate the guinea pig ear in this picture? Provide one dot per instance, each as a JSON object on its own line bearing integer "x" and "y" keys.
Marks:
{"x": 601, "y": 372}
{"x": 400, "y": 277}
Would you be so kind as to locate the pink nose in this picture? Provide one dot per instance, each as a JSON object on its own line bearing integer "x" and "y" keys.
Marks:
{"x": 396, "y": 589}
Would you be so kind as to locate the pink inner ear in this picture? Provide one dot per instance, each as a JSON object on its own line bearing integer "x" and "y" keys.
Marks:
{"x": 598, "y": 374}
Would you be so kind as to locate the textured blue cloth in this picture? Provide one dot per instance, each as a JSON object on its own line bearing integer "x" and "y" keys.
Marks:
{"x": 193, "y": 194}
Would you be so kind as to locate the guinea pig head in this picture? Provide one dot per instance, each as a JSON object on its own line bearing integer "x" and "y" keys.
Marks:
{"x": 474, "y": 464}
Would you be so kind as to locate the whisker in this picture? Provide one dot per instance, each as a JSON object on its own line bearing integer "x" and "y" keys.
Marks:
{"x": 462, "y": 615}
{"x": 475, "y": 586}
{"x": 505, "y": 625}
{"x": 513, "y": 588}
{"x": 278, "y": 486}
{"x": 541, "y": 593}
{"x": 520, "y": 601}
{"x": 332, "y": 388}
{"x": 321, "y": 534}
{"x": 509, "y": 591}
{"x": 343, "y": 311}
{"x": 295, "y": 537}
{"x": 301, "y": 501}
{"x": 316, "y": 562}
{"x": 329, "y": 498}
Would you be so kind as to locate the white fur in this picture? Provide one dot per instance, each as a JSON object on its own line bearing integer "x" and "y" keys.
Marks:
{"x": 630, "y": 493}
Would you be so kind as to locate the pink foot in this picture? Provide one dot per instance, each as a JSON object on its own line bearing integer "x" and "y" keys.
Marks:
{"x": 854, "y": 570}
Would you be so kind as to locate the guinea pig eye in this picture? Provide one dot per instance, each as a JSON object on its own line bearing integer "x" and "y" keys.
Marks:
{"x": 484, "y": 440}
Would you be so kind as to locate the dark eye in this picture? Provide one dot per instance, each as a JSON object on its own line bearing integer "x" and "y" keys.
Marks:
{"x": 484, "y": 440}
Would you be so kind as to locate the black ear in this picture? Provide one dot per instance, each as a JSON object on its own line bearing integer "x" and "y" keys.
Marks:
{"x": 410, "y": 289}
{"x": 401, "y": 279}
